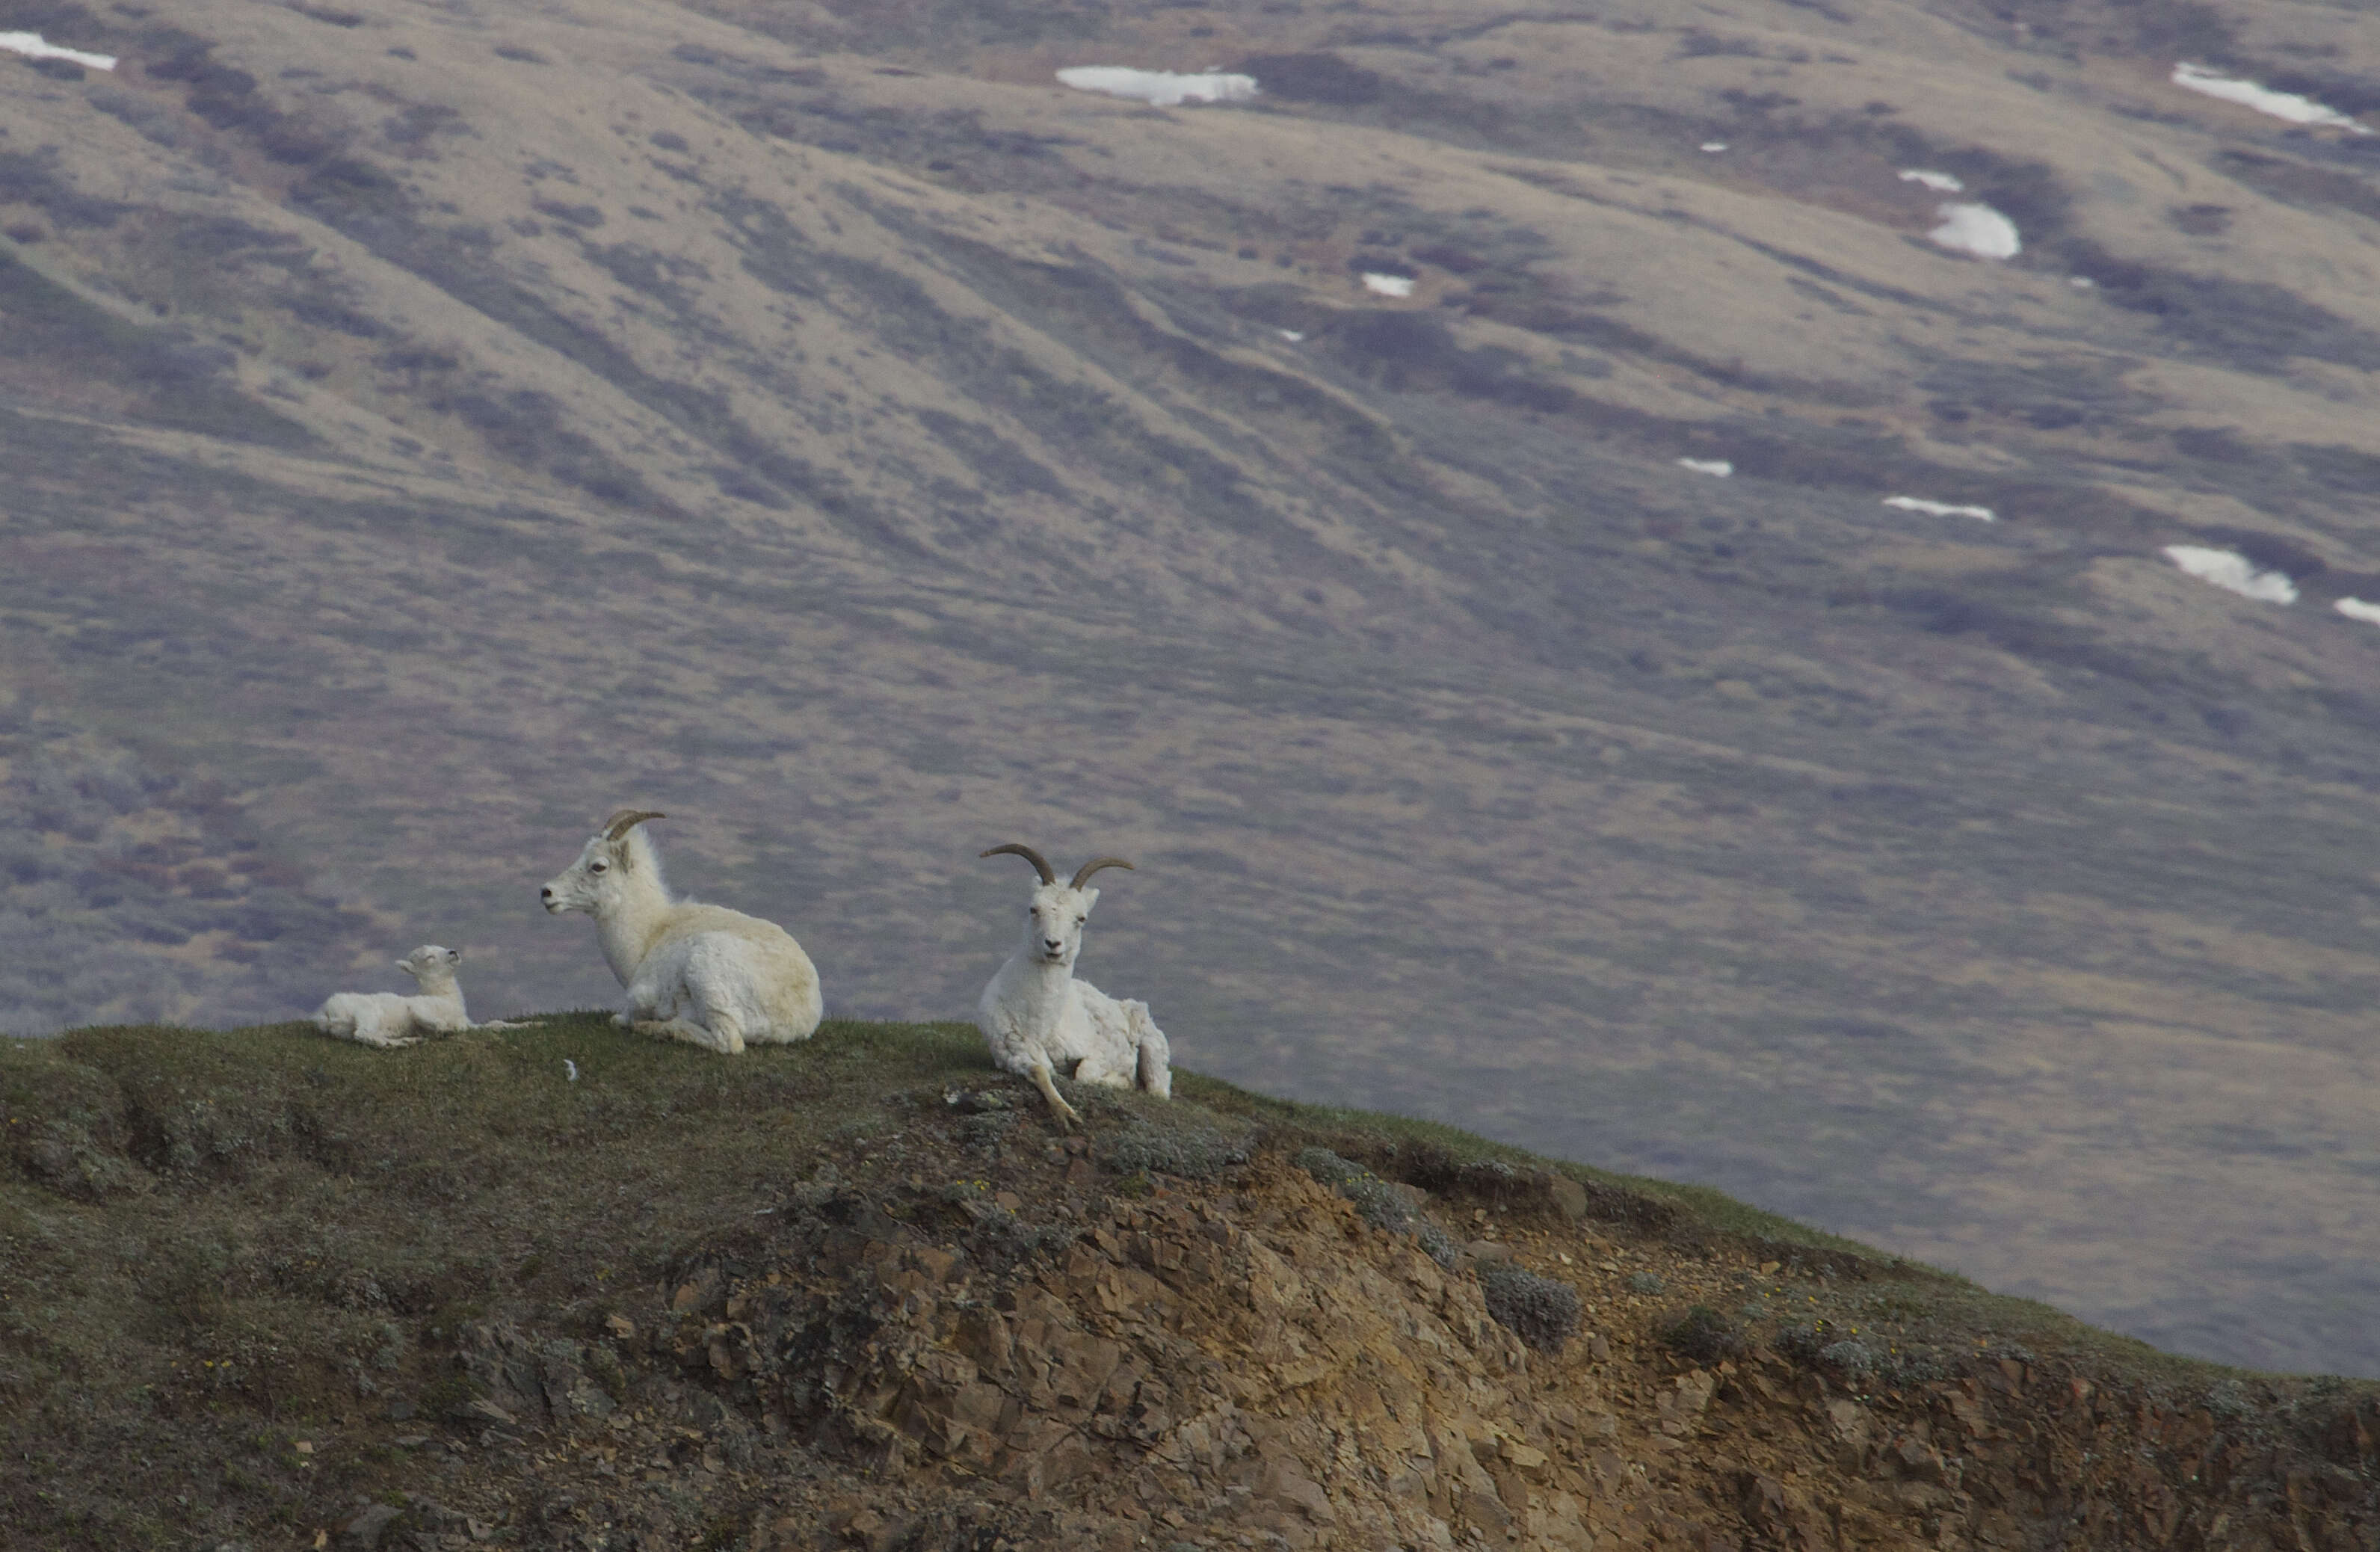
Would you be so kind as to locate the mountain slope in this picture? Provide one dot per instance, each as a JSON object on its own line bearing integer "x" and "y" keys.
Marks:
{"x": 440, "y": 427}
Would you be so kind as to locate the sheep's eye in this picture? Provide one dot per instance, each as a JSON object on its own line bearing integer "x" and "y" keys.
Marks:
{"x": 599, "y": 867}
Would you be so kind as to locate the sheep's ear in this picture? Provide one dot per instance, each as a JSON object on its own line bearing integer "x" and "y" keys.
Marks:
{"x": 403, "y": 964}
{"x": 1091, "y": 898}
{"x": 453, "y": 956}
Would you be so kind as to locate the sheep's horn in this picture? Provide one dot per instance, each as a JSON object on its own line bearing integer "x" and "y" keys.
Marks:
{"x": 1094, "y": 865}
{"x": 1041, "y": 864}
{"x": 627, "y": 820}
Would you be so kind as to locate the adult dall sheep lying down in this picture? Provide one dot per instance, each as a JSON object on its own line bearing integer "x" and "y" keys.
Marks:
{"x": 702, "y": 974}
{"x": 387, "y": 1021}
{"x": 1038, "y": 1017}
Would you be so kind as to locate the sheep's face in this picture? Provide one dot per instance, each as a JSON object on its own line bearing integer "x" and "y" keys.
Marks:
{"x": 431, "y": 965}
{"x": 593, "y": 882}
{"x": 1054, "y": 924}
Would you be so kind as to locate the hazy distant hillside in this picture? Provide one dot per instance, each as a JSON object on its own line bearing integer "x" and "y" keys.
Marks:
{"x": 132, "y": 895}
{"x": 432, "y": 429}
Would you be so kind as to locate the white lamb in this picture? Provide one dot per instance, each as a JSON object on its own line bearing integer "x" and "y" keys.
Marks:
{"x": 386, "y": 1021}
{"x": 1038, "y": 1017}
{"x": 702, "y": 974}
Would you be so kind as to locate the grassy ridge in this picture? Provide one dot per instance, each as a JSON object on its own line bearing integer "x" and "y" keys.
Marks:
{"x": 211, "y": 1243}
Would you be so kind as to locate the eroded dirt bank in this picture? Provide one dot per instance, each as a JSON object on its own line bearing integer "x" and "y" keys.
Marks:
{"x": 1048, "y": 1353}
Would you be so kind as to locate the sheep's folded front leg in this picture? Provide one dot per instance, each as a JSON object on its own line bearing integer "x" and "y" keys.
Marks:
{"x": 727, "y": 1039}
{"x": 667, "y": 1012}
{"x": 1066, "y": 1114}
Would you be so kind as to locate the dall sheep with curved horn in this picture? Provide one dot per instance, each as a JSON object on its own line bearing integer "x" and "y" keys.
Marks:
{"x": 702, "y": 974}
{"x": 1039, "y": 1018}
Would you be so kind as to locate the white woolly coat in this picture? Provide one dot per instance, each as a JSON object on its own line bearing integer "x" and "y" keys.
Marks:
{"x": 386, "y": 1020}
{"x": 701, "y": 973}
{"x": 720, "y": 969}
{"x": 1035, "y": 1015}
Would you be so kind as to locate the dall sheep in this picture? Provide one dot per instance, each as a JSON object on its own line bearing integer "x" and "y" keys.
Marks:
{"x": 702, "y": 974}
{"x": 386, "y": 1021}
{"x": 1038, "y": 1017}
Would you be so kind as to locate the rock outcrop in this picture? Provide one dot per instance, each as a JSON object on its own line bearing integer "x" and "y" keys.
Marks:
{"x": 1246, "y": 1361}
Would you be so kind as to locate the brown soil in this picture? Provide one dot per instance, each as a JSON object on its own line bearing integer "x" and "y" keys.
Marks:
{"x": 979, "y": 1333}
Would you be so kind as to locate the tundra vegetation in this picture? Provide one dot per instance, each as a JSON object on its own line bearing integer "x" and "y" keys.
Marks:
{"x": 130, "y": 891}
{"x": 255, "y": 1285}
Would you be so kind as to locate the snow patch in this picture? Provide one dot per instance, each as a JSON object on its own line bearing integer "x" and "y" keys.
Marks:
{"x": 2233, "y": 573}
{"x": 32, "y": 46}
{"x": 1714, "y": 147}
{"x": 1387, "y": 284}
{"x": 2248, "y": 94}
{"x": 1161, "y": 88}
{"x": 1941, "y": 183}
{"x": 2356, "y": 608}
{"x": 1291, "y": 336}
{"x": 1976, "y": 229}
{"x": 1720, "y": 467}
{"x": 1940, "y": 509}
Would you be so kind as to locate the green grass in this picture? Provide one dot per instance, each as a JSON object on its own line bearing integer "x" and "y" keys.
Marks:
{"x": 202, "y": 1230}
